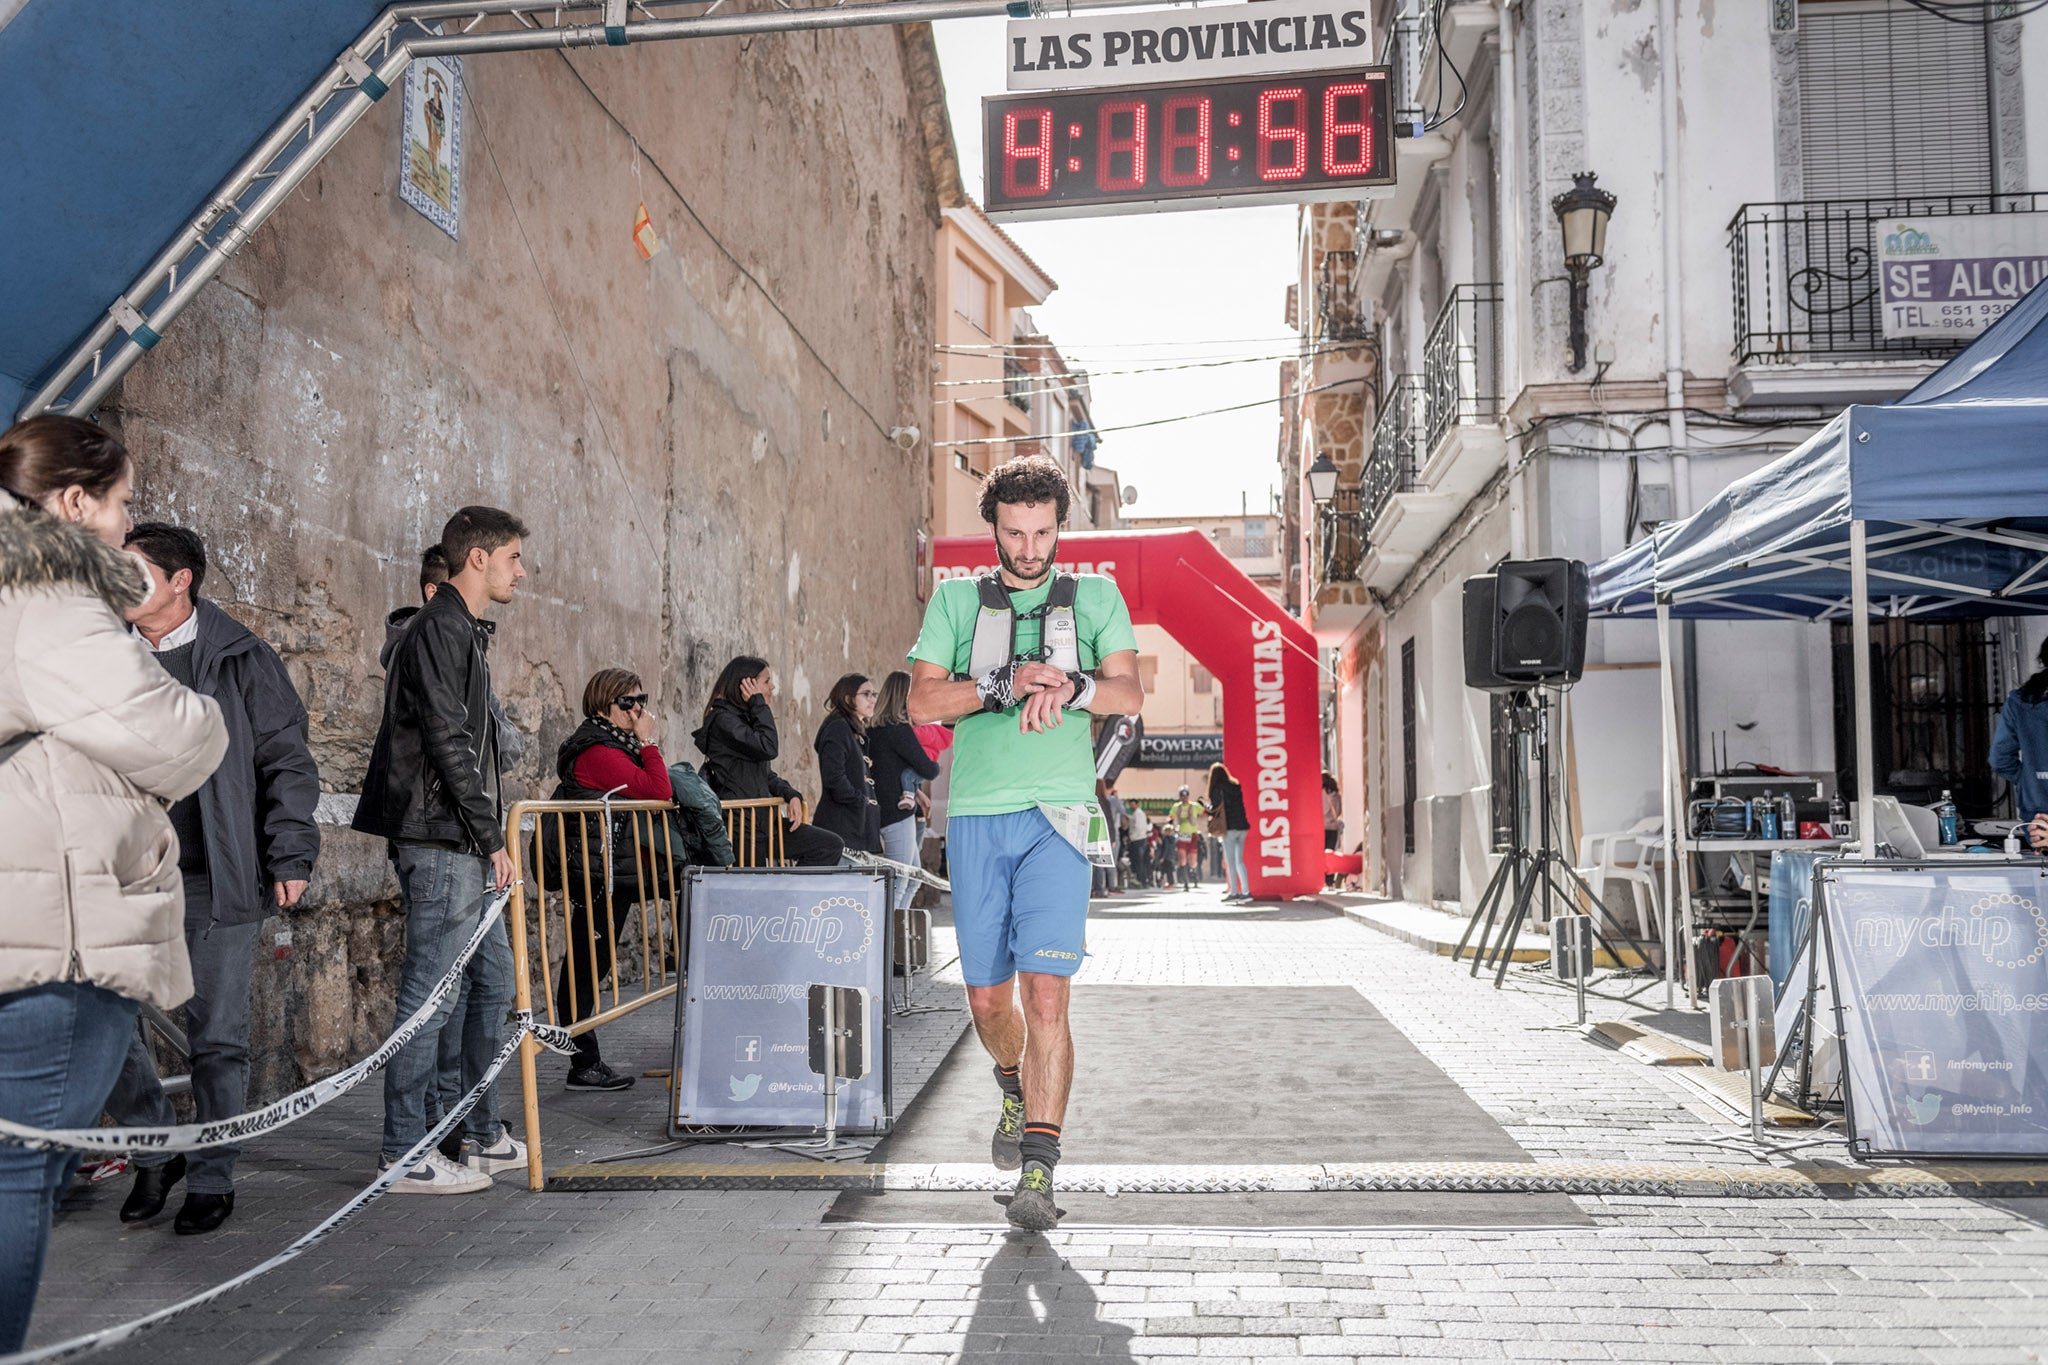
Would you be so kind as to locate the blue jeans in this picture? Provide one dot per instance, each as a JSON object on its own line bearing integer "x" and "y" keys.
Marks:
{"x": 217, "y": 1026}
{"x": 1233, "y": 862}
{"x": 899, "y": 843}
{"x": 61, "y": 1047}
{"x": 445, "y": 893}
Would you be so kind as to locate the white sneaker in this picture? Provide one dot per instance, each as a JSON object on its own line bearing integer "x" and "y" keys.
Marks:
{"x": 437, "y": 1175}
{"x": 508, "y": 1153}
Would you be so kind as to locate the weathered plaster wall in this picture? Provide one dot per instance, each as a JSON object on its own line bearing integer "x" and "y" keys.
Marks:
{"x": 697, "y": 441}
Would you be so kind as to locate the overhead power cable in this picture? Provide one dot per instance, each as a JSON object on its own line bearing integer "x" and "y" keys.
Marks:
{"x": 1988, "y": 12}
{"x": 1242, "y": 340}
{"x": 1035, "y": 379}
{"x": 1155, "y": 422}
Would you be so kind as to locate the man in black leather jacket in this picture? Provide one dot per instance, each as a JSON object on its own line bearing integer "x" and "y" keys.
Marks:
{"x": 432, "y": 790}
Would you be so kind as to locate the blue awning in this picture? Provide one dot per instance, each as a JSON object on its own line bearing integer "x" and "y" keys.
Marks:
{"x": 117, "y": 122}
{"x": 1951, "y": 481}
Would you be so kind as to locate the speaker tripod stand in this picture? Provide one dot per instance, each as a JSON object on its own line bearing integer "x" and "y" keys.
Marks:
{"x": 1525, "y": 872}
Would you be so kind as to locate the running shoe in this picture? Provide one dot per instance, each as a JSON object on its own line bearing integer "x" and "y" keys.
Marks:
{"x": 437, "y": 1175}
{"x": 1031, "y": 1207}
{"x": 597, "y": 1076}
{"x": 507, "y": 1153}
{"x": 1004, "y": 1147}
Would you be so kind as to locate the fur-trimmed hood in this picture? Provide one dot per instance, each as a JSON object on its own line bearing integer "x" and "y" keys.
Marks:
{"x": 39, "y": 551}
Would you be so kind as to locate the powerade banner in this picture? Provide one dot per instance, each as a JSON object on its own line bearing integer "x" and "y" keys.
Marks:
{"x": 1178, "y": 751}
{"x": 757, "y": 942}
{"x": 1943, "y": 979}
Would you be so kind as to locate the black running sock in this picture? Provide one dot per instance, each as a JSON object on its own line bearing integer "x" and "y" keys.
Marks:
{"x": 1011, "y": 1080}
{"x": 1041, "y": 1143}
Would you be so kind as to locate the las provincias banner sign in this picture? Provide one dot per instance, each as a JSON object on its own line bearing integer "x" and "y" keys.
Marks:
{"x": 1095, "y": 51}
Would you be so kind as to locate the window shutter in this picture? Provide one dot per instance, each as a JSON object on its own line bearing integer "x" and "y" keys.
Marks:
{"x": 1891, "y": 102}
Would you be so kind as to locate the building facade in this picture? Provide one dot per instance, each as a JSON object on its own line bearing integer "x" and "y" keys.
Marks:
{"x": 1753, "y": 153}
{"x": 1000, "y": 386}
{"x": 694, "y": 421}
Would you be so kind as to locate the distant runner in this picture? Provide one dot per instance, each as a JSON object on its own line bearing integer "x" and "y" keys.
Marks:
{"x": 1186, "y": 818}
{"x": 1006, "y": 656}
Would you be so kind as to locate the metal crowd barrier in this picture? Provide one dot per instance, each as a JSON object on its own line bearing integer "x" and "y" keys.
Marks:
{"x": 544, "y": 830}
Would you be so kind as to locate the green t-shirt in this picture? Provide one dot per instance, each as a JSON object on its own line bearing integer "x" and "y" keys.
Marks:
{"x": 997, "y": 768}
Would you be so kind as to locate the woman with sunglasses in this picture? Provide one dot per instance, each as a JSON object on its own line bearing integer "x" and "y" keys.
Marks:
{"x": 611, "y": 753}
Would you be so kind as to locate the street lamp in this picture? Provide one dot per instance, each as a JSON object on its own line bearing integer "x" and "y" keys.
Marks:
{"x": 1322, "y": 479}
{"x": 1582, "y": 213}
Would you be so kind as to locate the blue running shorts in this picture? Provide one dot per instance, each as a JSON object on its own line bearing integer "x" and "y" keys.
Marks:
{"x": 1020, "y": 896}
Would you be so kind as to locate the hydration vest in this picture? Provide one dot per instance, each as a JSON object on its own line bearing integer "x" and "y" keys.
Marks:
{"x": 995, "y": 628}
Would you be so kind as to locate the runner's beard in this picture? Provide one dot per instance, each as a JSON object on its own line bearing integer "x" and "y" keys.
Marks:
{"x": 1029, "y": 580}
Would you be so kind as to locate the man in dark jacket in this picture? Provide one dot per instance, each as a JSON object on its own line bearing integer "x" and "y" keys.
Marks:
{"x": 433, "y": 576}
{"x": 433, "y": 790}
{"x": 246, "y": 846}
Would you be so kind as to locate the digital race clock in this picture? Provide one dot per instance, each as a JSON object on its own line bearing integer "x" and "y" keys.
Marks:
{"x": 1270, "y": 139}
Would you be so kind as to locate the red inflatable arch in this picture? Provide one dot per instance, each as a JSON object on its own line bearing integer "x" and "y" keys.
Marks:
{"x": 1266, "y": 660}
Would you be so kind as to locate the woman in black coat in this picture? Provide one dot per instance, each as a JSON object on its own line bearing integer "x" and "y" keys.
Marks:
{"x": 847, "y": 805}
{"x": 739, "y": 742}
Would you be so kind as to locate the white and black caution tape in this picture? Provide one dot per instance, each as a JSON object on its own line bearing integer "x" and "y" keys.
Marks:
{"x": 856, "y": 858}
{"x": 191, "y": 1137}
{"x": 107, "y": 1337}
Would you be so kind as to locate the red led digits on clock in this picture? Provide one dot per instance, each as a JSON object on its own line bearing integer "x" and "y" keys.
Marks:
{"x": 1293, "y": 137}
{"x": 1037, "y": 153}
{"x": 1173, "y": 141}
{"x": 1109, "y": 146}
{"x": 1334, "y": 128}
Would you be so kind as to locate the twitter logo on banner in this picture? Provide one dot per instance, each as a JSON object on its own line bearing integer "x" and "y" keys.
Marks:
{"x": 743, "y": 1089}
{"x": 1924, "y": 1108}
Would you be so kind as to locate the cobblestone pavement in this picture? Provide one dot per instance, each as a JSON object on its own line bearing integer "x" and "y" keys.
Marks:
{"x": 755, "y": 1276}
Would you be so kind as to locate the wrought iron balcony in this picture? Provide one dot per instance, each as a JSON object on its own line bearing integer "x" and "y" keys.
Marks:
{"x": 1340, "y": 536}
{"x": 1340, "y": 316}
{"x": 1461, "y": 360}
{"x": 1017, "y": 384}
{"x": 1805, "y": 276}
{"x": 1397, "y": 447}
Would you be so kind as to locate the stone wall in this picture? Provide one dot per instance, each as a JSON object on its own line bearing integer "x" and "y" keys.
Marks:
{"x": 697, "y": 440}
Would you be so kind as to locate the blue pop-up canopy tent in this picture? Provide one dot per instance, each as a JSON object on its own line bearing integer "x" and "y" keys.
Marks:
{"x": 1950, "y": 484}
{"x": 1936, "y": 505}
{"x": 120, "y": 122}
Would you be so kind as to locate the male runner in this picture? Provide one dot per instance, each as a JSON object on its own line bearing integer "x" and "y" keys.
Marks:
{"x": 1006, "y": 657}
{"x": 1186, "y": 818}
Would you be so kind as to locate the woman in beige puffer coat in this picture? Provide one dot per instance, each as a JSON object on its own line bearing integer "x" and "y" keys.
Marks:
{"x": 96, "y": 740}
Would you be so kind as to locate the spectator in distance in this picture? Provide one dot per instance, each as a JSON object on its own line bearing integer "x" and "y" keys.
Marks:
{"x": 1226, "y": 796}
{"x": 95, "y": 741}
{"x": 739, "y": 742}
{"x": 900, "y": 760}
{"x": 612, "y": 753}
{"x": 246, "y": 847}
{"x": 432, "y": 789}
{"x": 847, "y": 803}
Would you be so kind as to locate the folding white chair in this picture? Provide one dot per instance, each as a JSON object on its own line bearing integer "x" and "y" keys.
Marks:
{"x": 1624, "y": 856}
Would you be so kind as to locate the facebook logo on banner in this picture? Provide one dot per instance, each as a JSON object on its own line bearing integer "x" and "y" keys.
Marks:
{"x": 748, "y": 1049}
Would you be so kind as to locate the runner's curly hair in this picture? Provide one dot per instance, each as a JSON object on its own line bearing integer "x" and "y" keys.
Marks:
{"x": 1025, "y": 479}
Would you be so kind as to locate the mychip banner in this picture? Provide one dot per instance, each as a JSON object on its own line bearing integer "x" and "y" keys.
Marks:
{"x": 758, "y": 940}
{"x": 1942, "y": 971}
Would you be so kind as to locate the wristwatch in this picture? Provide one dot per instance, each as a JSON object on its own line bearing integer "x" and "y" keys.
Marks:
{"x": 1084, "y": 691}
